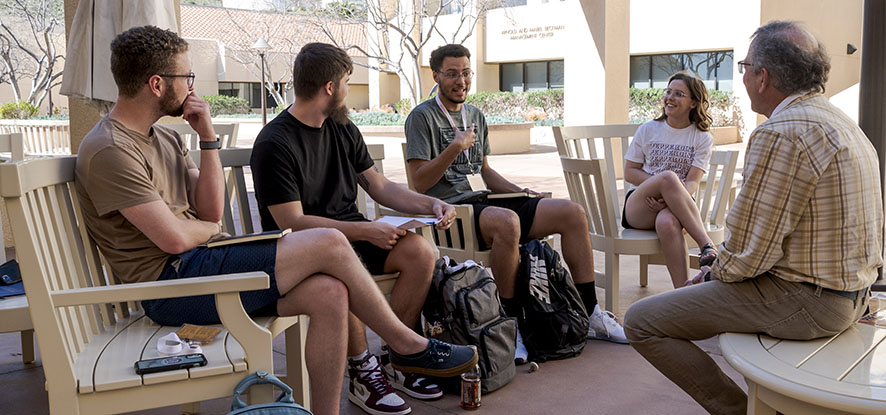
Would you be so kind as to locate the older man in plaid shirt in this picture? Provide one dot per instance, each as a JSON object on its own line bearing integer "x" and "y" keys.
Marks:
{"x": 805, "y": 233}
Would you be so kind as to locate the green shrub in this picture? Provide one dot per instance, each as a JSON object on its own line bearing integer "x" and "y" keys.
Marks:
{"x": 494, "y": 119}
{"x": 646, "y": 104}
{"x": 403, "y": 107}
{"x": 376, "y": 118}
{"x": 18, "y": 110}
{"x": 526, "y": 105}
{"x": 223, "y": 104}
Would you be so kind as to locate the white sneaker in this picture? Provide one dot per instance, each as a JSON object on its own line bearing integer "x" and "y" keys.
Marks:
{"x": 521, "y": 355}
{"x": 605, "y": 327}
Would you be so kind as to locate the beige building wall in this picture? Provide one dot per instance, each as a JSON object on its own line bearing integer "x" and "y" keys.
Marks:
{"x": 835, "y": 23}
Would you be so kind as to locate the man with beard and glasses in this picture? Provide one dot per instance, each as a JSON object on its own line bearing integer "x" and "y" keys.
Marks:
{"x": 150, "y": 209}
{"x": 446, "y": 147}
{"x": 306, "y": 165}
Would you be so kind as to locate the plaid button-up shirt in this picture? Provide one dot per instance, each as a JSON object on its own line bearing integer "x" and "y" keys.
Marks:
{"x": 810, "y": 206}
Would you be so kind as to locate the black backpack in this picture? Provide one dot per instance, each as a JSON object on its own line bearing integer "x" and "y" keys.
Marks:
{"x": 554, "y": 323}
{"x": 463, "y": 308}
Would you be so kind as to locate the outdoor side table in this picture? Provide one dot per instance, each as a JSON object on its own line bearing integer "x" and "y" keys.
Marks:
{"x": 845, "y": 373}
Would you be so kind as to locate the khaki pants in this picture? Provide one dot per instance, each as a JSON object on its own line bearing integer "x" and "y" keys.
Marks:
{"x": 661, "y": 328}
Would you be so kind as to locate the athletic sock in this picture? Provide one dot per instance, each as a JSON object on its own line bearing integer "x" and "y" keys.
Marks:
{"x": 512, "y": 307}
{"x": 588, "y": 295}
{"x": 355, "y": 360}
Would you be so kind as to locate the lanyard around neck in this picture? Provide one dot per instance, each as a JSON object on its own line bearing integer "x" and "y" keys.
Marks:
{"x": 464, "y": 123}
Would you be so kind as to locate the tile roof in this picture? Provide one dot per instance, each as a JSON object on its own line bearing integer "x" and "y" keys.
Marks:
{"x": 239, "y": 29}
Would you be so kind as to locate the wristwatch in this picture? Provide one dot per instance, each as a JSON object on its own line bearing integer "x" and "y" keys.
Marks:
{"x": 210, "y": 145}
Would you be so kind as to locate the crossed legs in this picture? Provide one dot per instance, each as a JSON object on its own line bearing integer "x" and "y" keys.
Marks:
{"x": 680, "y": 213}
{"x": 413, "y": 258}
{"x": 325, "y": 287}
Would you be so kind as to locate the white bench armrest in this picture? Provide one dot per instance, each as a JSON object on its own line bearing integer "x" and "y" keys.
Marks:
{"x": 186, "y": 287}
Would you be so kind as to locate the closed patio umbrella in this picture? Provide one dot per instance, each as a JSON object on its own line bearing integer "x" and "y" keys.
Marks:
{"x": 96, "y": 23}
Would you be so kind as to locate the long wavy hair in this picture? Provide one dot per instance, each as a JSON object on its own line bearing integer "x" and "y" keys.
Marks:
{"x": 699, "y": 93}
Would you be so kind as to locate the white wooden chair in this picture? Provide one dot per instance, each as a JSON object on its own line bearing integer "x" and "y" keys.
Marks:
{"x": 613, "y": 140}
{"x": 90, "y": 328}
{"x": 590, "y": 184}
{"x": 14, "y": 316}
{"x": 227, "y": 133}
{"x": 460, "y": 242}
{"x": 48, "y": 137}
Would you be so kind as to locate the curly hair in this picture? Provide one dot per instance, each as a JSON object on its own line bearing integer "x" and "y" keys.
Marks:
{"x": 315, "y": 65}
{"x": 142, "y": 52}
{"x": 794, "y": 58}
{"x": 699, "y": 93}
{"x": 447, "y": 51}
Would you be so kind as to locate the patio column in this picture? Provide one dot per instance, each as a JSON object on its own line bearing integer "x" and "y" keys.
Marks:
{"x": 872, "y": 88}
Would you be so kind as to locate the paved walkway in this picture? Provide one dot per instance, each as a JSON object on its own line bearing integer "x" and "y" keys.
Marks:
{"x": 606, "y": 378}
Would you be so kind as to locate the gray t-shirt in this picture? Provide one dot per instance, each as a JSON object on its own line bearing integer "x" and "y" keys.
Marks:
{"x": 428, "y": 133}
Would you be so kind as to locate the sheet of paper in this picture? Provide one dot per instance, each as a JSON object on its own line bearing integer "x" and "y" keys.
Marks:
{"x": 404, "y": 222}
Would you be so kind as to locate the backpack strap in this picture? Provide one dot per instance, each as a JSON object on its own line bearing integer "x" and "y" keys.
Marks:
{"x": 259, "y": 378}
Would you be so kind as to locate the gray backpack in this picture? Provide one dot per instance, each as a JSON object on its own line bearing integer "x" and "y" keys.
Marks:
{"x": 463, "y": 308}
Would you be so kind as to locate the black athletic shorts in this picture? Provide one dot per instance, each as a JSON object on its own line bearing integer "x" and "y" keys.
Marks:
{"x": 525, "y": 208}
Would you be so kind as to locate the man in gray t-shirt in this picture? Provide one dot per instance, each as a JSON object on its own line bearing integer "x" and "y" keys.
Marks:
{"x": 446, "y": 147}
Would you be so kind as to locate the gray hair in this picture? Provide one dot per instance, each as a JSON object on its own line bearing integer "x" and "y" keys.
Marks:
{"x": 794, "y": 58}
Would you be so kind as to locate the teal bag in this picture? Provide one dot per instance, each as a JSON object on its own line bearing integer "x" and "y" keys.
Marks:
{"x": 284, "y": 405}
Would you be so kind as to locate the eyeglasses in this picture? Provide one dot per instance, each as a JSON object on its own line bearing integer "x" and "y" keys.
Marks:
{"x": 453, "y": 75}
{"x": 742, "y": 64}
{"x": 674, "y": 92}
{"x": 190, "y": 77}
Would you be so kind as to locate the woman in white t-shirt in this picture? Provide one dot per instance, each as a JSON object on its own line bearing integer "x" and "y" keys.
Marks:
{"x": 664, "y": 164}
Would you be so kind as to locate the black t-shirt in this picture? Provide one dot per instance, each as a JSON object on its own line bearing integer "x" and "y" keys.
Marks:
{"x": 317, "y": 166}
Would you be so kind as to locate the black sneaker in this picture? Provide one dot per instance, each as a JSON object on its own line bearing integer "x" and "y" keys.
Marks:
{"x": 438, "y": 359}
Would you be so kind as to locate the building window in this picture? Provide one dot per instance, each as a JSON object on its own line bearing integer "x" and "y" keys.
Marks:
{"x": 250, "y": 91}
{"x": 531, "y": 76}
{"x": 653, "y": 71}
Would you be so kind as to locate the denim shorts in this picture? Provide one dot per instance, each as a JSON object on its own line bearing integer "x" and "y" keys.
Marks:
{"x": 201, "y": 262}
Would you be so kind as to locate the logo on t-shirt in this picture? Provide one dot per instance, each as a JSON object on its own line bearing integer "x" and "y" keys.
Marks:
{"x": 674, "y": 157}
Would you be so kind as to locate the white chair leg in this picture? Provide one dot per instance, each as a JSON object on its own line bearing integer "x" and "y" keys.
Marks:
{"x": 28, "y": 355}
{"x": 644, "y": 270}
{"x": 190, "y": 408}
{"x": 296, "y": 369}
{"x": 612, "y": 275}
{"x": 755, "y": 405}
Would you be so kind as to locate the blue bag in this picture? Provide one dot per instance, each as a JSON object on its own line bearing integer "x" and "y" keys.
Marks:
{"x": 284, "y": 405}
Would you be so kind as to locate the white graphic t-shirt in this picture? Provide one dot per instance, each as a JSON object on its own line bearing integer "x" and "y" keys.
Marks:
{"x": 659, "y": 147}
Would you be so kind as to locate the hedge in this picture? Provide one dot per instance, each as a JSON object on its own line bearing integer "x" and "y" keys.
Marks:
{"x": 18, "y": 110}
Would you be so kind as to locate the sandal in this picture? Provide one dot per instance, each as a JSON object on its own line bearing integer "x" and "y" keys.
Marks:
{"x": 708, "y": 255}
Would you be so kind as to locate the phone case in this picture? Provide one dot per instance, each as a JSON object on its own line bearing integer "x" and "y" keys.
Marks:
{"x": 169, "y": 363}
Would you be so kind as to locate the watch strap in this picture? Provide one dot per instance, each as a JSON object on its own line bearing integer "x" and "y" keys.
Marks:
{"x": 210, "y": 145}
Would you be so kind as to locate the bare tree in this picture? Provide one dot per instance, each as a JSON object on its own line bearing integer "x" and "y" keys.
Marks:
{"x": 283, "y": 47}
{"x": 27, "y": 46}
{"x": 397, "y": 31}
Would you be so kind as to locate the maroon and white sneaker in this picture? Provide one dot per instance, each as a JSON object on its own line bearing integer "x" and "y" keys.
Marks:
{"x": 416, "y": 386}
{"x": 369, "y": 389}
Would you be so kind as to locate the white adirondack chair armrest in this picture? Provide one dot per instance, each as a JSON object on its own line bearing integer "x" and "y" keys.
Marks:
{"x": 215, "y": 284}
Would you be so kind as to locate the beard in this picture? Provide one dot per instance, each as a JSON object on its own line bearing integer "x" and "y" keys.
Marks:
{"x": 169, "y": 105}
{"x": 337, "y": 110}
{"x": 450, "y": 98}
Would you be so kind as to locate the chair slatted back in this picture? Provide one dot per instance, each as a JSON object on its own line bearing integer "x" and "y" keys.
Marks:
{"x": 227, "y": 134}
{"x": 721, "y": 171}
{"x": 13, "y": 143}
{"x": 587, "y": 142}
{"x": 40, "y": 137}
{"x": 377, "y": 153}
{"x": 238, "y": 214}
{"x": 588, "y": 185}
{"x": 54, "y": 254}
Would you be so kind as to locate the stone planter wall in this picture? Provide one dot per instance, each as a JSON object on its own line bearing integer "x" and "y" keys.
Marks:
{"x": 725, "y": 135}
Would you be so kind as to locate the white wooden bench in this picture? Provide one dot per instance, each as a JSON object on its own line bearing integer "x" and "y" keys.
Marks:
{"x": 41, "y": 137}
{"x": 91, "y": 330}
{"x": 843, "y": 374}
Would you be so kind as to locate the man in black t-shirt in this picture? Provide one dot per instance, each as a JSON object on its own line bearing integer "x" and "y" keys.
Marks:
{"x": 306, "y": 165}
